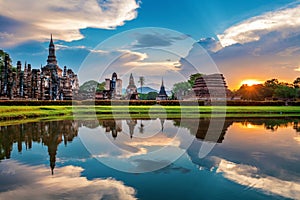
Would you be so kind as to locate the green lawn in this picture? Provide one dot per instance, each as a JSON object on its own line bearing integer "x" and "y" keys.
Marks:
{"x": 29, "y": 112}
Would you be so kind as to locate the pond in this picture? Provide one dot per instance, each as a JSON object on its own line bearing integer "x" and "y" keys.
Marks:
{"x": 232, "y": 158}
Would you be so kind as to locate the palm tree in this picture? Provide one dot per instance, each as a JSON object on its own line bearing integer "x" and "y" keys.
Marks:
{"x": 142, "y": 82}
{"x": 141, "y": 128}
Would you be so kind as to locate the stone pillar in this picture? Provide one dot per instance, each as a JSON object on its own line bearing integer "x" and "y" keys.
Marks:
{"x": 22, "y": 84}
{"x": 18, "y": 81}
{"x": 29, "y": 82}
{"x": 42, "y": 88}
{"x": 25, "y": 95}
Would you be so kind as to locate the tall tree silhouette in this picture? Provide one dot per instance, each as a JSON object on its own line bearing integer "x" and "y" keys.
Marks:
{"x": 141, "y": 82}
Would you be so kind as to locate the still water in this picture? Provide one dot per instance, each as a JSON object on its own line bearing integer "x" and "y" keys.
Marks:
{"x": 256, "y": 158}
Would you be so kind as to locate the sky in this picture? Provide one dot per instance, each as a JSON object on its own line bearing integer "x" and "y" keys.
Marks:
{"x": 250, "y": 39}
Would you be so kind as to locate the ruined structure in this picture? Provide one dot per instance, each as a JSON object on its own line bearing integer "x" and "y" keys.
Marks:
{"x": 162, "y": 95}
{"x": 112, "y": 89}
{"x": 48, "y": 83}
{"x": 211, "y": 87}
{"x": 131, "y": 91}
{"x": 48, "y": 133}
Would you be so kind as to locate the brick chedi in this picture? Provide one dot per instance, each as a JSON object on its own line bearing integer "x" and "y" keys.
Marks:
{"x": 48, "y": 83}
{"x": 131, "y": 90}
{"x": 211, "y": 86}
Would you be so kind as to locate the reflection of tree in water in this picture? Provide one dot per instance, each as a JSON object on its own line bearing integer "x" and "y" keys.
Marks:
{"x": 296, "y": 126}
{"x": 162, "y": 123}
{"x": 199, "y": 127}
{"x": 50, "y": 134}
{"x": 141, "y": 128}
{"x": 272, "y": 123}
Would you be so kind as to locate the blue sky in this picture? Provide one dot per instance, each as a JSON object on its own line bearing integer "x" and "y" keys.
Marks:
{"x": 252, "y": 39}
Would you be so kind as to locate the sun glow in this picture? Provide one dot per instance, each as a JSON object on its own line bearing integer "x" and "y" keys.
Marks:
{"x": 251, "y": 82}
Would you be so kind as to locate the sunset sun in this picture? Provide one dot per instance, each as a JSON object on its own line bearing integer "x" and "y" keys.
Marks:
{"x": 250, "y": 82}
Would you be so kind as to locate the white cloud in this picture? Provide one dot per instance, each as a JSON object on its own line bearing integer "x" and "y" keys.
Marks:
{"x": 35, "y": 20}
{"x": 139, "y": 63}
{"x": 210, "y": 44}
{"x": 64, "y": 47}
{"x": 286, "y": 21}
{"x": 297, "y": 69}
{"x": 249, "y": 176}
{"x": 59, "y": 47}
{"x": 36, "y": 182}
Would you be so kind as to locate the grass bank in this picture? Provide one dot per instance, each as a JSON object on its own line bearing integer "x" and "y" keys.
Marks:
{"x": 30, "y": 112}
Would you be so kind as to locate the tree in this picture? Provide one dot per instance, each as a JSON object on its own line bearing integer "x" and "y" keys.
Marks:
{"x": 285, "y": 92}
{"x": 273, "y": 83}
{"x": 3, "y": 54}
{"x": 254, "y": 92}
{"x": 297, "y": 83}
{"x": 89, "y": 86}
{"x": 141, "y": 82}
{"x": 152, "y": 95}
{"x": 269, "y": 88}
{"x": 181, "y": 89}
{"x": 100, "y": 87}
{"x": 193, "y": 78}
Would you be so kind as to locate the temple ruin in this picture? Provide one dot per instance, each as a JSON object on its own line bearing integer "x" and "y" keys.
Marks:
{"x": 48, "y": 83}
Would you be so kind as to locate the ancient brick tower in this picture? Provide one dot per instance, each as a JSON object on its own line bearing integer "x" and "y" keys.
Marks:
{"x": 131, "y": 90}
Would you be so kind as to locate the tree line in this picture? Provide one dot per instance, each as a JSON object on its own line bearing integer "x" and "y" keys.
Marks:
{"x": 270, "y": 90}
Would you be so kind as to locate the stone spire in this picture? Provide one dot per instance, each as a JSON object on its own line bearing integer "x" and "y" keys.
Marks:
{"x": 162, "y": 95}
{"x": 51, "y": 56}
{"x": 131, "y": 80}
{"x": 51, "y": 42}
{"x": 162, "y": 88}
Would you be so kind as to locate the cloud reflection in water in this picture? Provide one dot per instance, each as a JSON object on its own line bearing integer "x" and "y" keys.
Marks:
{"x": 34, "y": 182}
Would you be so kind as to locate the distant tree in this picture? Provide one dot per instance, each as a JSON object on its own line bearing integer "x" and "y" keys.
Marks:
{"x": 254, "y": 92}
{"x": 284, "y": 91}
{"x": 272, "y": 83}
{"x": 296, "y": 83}
{"x": 181, "y": 89}
{"x": 2, "y": 57}
{"x": 143, "y": 96}
{"x": 141, "y": 82}
{"x": 193, "y": 78}
{"x": 269, "y": 88}
{"x": 152, "y": 95}
{"x": 100, "y": 87}
{"x": 3, "y": 54}
{"x": 89, "y": 86}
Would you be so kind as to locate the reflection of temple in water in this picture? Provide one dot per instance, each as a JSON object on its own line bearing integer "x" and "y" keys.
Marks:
{"x": 115, "y": 126}
{"x": 53, "y": 133}
{"x": 200, "y": 128}
{"x": 131, "y": 124}
{"x": 50, "y": 134}
{"x": 111, "y": 125}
